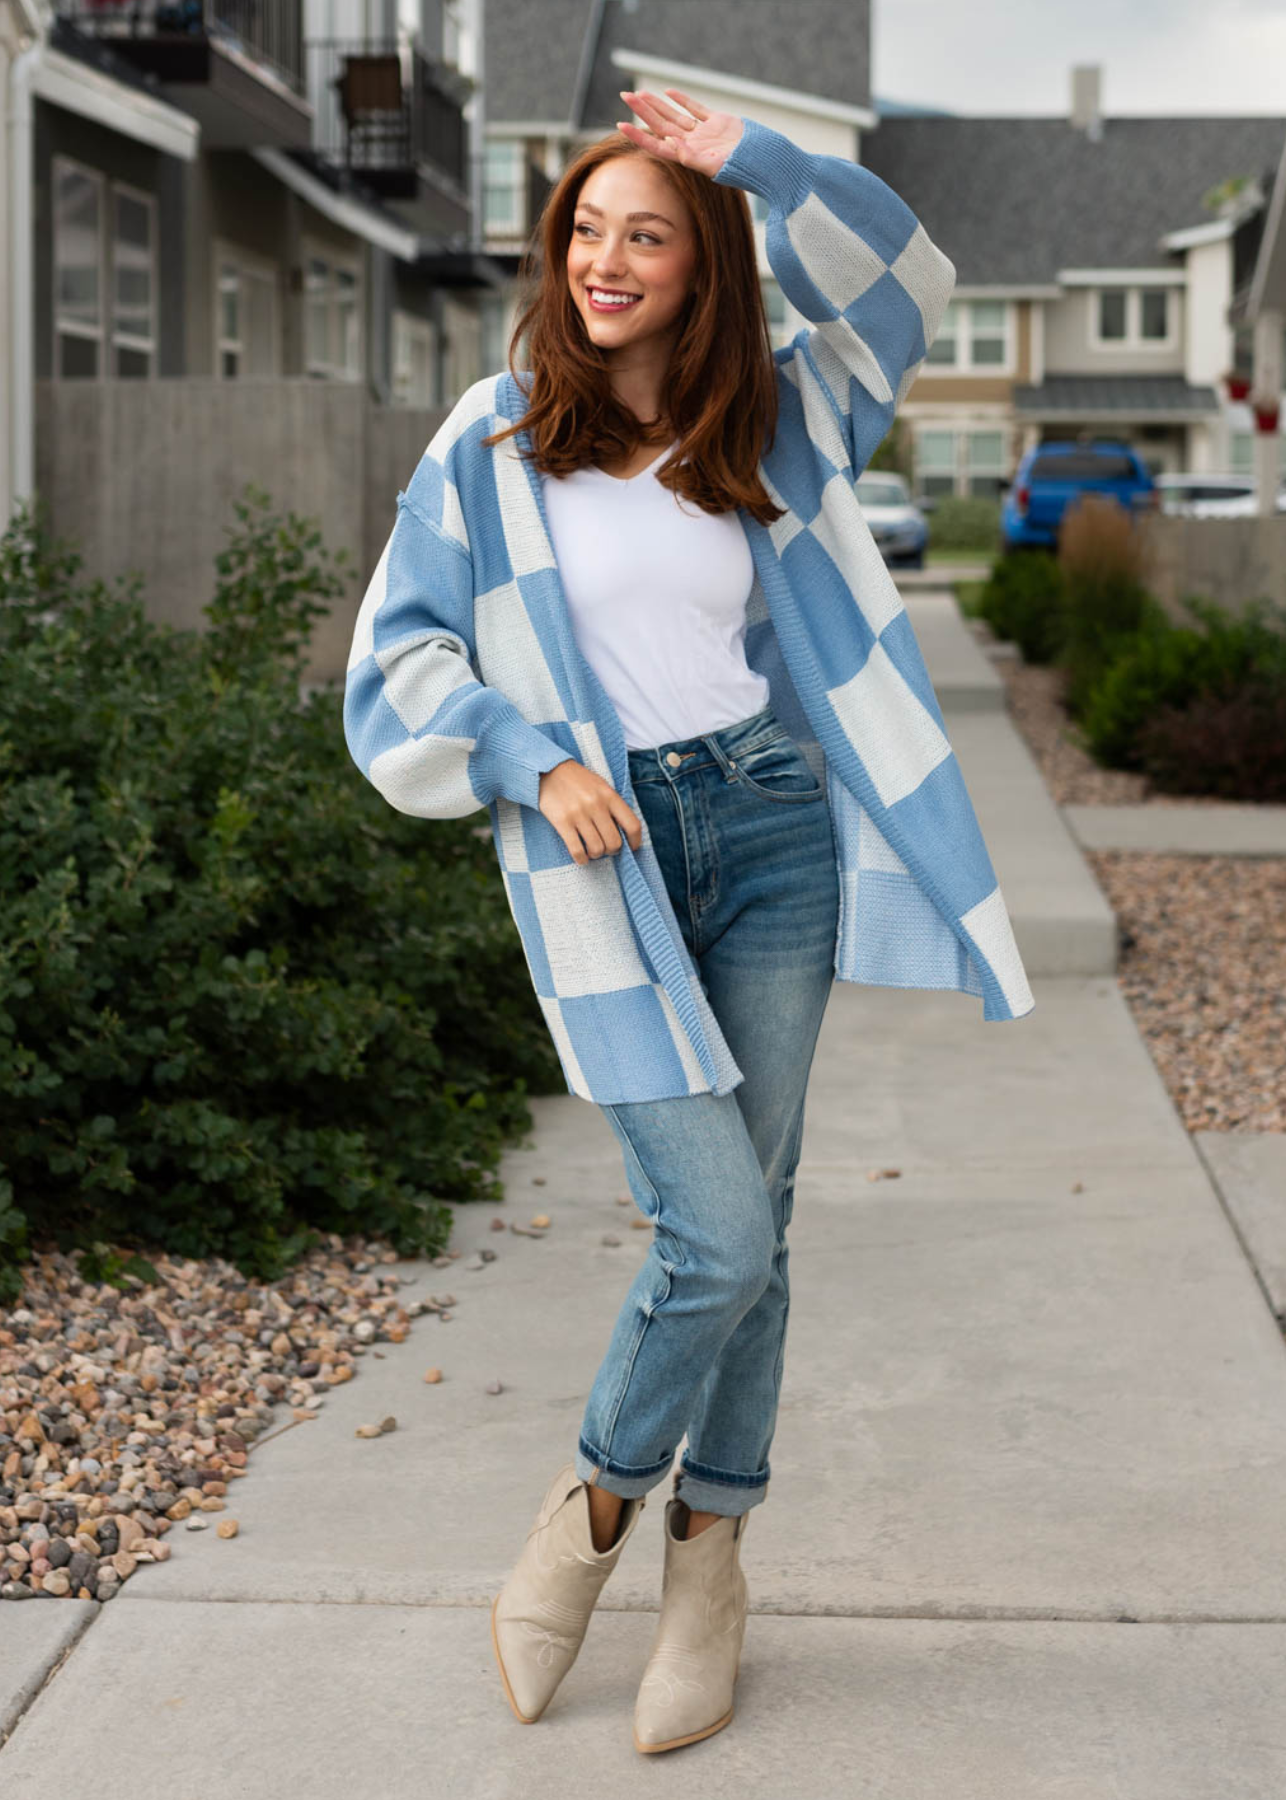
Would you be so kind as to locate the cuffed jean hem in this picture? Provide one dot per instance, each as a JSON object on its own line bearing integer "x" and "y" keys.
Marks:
{"x": 618, "y": 1478}
{"x": 710, "y": 1490}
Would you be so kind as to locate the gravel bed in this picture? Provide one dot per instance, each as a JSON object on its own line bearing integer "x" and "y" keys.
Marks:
{"x": 1203, "y": 955}
{"x": 1203, "y": 966}
{"x": 126, "y": 1412}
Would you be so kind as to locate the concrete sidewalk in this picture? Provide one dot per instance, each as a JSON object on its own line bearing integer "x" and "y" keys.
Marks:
{"x": 1025, "y": 1534}
{"x": 1025, "y": 1538}
{"x": 1170, "y": 828}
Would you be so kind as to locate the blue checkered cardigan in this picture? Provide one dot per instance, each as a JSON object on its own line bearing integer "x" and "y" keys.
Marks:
{"x": 465, "y": 681}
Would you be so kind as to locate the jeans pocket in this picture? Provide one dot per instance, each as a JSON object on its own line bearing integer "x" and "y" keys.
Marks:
{"x": 779, "y": 770}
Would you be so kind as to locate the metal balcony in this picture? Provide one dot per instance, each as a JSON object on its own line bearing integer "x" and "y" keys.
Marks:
{"x": 236, "y": 65}
{"x": 387, "y": 113}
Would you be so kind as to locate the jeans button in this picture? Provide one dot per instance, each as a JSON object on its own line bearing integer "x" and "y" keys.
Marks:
{"x": 673, "y": 758}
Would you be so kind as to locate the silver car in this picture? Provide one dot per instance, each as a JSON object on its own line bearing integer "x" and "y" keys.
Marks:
{"x": 1201, "y": 495}
{"x": 897, "y": 524}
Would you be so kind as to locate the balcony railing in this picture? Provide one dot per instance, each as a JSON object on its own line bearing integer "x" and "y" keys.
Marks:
{"x": 162, "y": 34}
{"x": 385, "y": 110}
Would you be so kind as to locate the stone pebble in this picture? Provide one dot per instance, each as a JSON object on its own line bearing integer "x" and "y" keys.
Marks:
{"x": 125, "y": 1412}
{"x": 1203, "y": 938}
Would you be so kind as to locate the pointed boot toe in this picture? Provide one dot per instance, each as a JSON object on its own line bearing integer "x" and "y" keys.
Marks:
{"x": 687, "y": 1687}
{"x": 540, "y": 1616}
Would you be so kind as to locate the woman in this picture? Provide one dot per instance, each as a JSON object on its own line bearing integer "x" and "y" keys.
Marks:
{"x": 718, "y": 778}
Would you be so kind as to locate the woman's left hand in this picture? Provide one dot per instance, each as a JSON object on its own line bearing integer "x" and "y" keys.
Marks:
{"x": 704, "y": 141}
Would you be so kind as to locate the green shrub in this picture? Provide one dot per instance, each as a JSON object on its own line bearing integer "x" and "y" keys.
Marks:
{"x": 1024, "y": 601}
{"x": 965, "y": 522}
{"x": 1164, "y": 666}
{"x": 242, "y": 1000}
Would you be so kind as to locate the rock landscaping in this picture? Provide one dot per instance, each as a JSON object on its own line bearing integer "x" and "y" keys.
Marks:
{"x": 126, "y": 1413}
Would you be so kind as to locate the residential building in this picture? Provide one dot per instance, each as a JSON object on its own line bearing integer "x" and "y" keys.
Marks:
{"x": 1094, "y": 255}
{"x": 236, "y": 191}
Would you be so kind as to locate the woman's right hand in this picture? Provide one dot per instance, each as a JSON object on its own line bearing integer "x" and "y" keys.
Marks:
{"x": 587, "y": 811}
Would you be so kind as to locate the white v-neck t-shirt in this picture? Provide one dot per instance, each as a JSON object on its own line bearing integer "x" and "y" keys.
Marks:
{"x": 657, "y": 592}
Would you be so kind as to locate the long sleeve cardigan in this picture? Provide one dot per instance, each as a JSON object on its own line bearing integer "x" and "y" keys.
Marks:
{"x": 465, "y": 682}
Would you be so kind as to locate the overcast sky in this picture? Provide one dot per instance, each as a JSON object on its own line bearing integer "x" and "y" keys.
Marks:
{"x": 1000, "y": 58}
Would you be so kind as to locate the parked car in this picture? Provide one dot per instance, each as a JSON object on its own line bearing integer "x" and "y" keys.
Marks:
{"x": 897, "y": 524}
{"x": 1207, "y": 496}
{"x": 1051, "y": 476}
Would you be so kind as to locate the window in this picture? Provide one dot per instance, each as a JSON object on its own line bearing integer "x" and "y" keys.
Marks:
{"x": 495, "y": 332}
{"x": 245, "y": 315}
{"x": 987, "y": 333}
{"x": 985, "y": 471}
{"x": 1083, "y": 465}
{"x": 332, "y": 316}
{"x": 935, "y": 462}
{"x": 104, "y": 276}
{"x": 1242, "y": 456}
{"x": 503, "y": 195}
{"x": 943, "y": 348}
{"x": 1111, "y": 315}
{"x": 961, "y": 462}
{"x": 1153, "y": 314}
{"x": 415, "y": 361}
{"x": 974, "y": 334}
{"x": 777, "y": 309}
{"x": 1132, "y": 317}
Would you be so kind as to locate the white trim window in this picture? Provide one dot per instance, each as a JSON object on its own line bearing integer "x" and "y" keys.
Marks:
{"x": 935, "y": 461}
{"x": 246, "y": 333}
{"x": 332, "y": 313}
{"x": 975, "y": 336}
{"x": 415, "y": 361}
{"x": 778, "y": 310}
{"x": 985, "y": 470}
{"x": 970, "y": 461}
{"x": 1133, "y": 318}
{"x": 493, "y": 316}
{"x": 1241, "y": 458}
{"x": 504, "y": 187}
{"x": 104, "y": 298}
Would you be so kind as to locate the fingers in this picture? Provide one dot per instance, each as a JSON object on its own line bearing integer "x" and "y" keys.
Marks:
{"x": 628, "y": 820}
{"x": 694, "y": 106}
{"x": 585, "y": 811}
{"x": 652, "y": 108}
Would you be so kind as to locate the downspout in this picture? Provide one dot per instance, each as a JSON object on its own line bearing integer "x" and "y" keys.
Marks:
{"x": 17, "y": 476}
{"x": 585, "y": 70}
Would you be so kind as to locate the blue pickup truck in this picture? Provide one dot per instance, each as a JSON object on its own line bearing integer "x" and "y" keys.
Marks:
{"x": 1051, "y": 476}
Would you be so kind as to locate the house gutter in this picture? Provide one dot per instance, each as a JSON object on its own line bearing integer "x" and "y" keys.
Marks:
{"x": 17, "y": 387}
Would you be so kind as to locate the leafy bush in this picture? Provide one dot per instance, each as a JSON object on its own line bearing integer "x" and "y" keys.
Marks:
{"x": 1230, "y": 744}
{"x": 242, "y": 1000}
{"x": 1101, "y": 559}
{"x": 1165, "y": 668}
{"x": 1025, "y": 602}
{"x": 965, "y": 522}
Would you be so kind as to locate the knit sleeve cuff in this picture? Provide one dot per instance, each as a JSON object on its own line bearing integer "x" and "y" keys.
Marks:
{"x": 513, "y": 755}
{"x": 768, "y": 163}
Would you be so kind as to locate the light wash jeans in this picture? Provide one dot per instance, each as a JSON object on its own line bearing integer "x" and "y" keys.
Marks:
{"x": 742, "y": 831}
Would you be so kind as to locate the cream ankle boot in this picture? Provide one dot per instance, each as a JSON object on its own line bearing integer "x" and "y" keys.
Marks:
{"x": 686, "y": 1690}
{"x": 540, "y": 1616}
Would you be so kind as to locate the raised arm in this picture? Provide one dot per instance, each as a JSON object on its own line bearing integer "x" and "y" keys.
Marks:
{"x": 852, "y": 258}
{"x": 848, "y": 253}
{"x": 435, "y": 740}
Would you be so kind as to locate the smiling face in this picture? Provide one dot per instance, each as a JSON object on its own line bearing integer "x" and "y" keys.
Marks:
{"x": 632, "y": 234}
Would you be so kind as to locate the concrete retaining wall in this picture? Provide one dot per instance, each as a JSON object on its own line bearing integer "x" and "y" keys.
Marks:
{"x": 142, "y": 475}
{"x": 1232, "y": 561}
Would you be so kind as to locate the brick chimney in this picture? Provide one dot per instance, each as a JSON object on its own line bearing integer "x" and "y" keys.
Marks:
{"x": 1087, "y": 81}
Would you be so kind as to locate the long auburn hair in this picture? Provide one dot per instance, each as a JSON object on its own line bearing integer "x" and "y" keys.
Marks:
{"x": 720, "y": 397}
